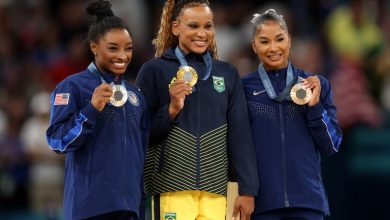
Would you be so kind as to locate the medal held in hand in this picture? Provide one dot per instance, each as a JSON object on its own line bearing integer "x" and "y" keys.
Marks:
{"x": 119, "y": 95}
{"x": 300, "y": 94}
{"x": 188, "y": 74}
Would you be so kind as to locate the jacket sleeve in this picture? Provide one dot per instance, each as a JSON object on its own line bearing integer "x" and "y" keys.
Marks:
{"x": 160, "y": 120}
{"x": 322, "y": 121}
{"x": 70, "y": 124}
{"x": 240, "y": 143}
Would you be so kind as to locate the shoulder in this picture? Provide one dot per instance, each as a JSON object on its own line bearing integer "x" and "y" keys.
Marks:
{"x": 79, "y": 79}
{"x": 152, "y": 70}
{"x": 249, "y": 76}
{"x": 224, "y": 66}
{"x": 155, "y": 65}
{"x": 152, "y": 62}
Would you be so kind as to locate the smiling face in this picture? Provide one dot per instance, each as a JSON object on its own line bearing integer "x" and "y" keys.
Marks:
{"x": 272, "y": 45}
{"x": 194, "y": 28}
{"x": 113, "y": 51}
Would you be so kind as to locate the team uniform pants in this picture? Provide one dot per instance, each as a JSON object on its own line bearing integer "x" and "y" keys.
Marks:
{"x": 188, "y": 205}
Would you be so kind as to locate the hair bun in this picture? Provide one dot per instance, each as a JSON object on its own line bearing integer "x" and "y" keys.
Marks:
{"x": 271, "y": 10}
{"x": 100, "y": 9}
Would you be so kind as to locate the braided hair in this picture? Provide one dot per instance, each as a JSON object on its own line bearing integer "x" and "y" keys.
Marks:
{"x": 172, "y": 9}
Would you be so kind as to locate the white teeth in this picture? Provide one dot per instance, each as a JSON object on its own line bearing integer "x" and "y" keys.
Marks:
{"x": 274, "y": 57}
{"x": 200, "y": 43}
{"x": 119, "y": 64}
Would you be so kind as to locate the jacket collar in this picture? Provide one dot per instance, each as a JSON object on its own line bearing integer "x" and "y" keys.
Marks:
{"x": 190, "y": 57}
{"x": 107, "y": 76}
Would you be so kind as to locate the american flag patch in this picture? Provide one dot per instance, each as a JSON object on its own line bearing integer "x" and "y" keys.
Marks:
{"x": 61, "y": 99}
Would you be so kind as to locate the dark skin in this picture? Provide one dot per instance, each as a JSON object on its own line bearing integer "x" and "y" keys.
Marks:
{"x": 113, "y": 52}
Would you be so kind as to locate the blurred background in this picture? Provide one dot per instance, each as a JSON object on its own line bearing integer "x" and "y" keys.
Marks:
{"x": 347, "y": 41}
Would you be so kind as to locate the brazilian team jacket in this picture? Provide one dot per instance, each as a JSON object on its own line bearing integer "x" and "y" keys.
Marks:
{"x": 289, "y": 140}
{"x": 192, "y": 151}
{"x": 105, "y": 150}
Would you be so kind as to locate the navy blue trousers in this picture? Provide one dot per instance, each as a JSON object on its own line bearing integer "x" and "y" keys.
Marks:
{"x": 118, "y": 215}
{"x": 289, "y": 214}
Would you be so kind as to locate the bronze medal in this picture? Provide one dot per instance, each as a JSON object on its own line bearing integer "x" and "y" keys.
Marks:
{"x": 300, "y": 95}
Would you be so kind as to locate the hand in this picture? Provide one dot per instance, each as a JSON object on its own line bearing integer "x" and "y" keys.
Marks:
{"x": 244, "y": 205}
{"x": 313, "y": 82}
{"x": 101, "y": 96}
{"x": 178, "y": 92}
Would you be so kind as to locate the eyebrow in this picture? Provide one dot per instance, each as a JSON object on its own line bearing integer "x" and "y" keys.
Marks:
{"x": 115, "y": 44}
{"x": 279, "y": 35}
{"x": 197, "y": 22}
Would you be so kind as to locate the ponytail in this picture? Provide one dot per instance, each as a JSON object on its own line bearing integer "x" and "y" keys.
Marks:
{"x": 165, "y": 37}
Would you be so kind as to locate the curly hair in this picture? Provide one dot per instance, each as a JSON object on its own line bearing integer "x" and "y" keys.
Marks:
{"x": 165, "y": 38}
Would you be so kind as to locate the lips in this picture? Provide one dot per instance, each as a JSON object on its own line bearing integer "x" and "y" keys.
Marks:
{"x": 119, "y": 64}
{"x": 274, "y": 57}
{"x": 200, "y": 43}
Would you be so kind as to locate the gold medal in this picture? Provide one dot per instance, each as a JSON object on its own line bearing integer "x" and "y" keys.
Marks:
{"x": 119, "y": 95}
{"x": 188, "y": 74}
{"x": 300, "y": 95}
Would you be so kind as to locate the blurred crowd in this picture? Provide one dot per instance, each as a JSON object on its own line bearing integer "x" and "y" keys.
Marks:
{"x": 348, "y": 41}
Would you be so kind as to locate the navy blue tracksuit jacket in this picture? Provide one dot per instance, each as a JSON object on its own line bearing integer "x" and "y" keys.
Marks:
{"x": 289, "y": 140}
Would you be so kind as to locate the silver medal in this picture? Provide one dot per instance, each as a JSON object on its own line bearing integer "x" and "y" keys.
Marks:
{"x": 119, "y": 95}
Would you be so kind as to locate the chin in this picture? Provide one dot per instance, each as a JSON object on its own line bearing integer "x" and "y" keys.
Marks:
{"x": 199, "y": 50}
{"x": 276, "y": 65}
{"x": 118, "y": 72}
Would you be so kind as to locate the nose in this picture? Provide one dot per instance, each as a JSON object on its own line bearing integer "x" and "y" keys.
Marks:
{"x": 273, "y": 46}
{"x": 201, "y": 33}
{"x": 122, "y": 55}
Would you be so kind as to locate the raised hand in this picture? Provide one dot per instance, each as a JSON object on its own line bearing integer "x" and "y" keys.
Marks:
{"x": 313, "y": 82}
{"x": 101, "y": 96}
{"x": 178, "y": 92}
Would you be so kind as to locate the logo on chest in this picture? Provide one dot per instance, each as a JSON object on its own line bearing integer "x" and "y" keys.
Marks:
{"x": 219, "y": 83}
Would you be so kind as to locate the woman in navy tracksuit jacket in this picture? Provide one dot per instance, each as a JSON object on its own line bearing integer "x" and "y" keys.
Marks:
{"x": 288, "y": 137}
{"x": 197, "y": 130}
{"x": 104, "y": 142}
{"x": 212, "y": 117}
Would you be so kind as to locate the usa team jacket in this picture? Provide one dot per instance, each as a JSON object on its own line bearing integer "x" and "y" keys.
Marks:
{"x": 192, "y": 152}
{"x": 104, "y": 151}
{"x": 289, "y": 140}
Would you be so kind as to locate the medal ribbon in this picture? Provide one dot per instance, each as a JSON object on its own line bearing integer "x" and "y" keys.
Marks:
{"x": 285, "y": 94}
{"x": 206, "y": 58}
{"x": 92, "y": 67}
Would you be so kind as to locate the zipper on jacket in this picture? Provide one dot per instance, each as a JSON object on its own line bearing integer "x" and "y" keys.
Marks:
{"x": 197, "y": 141}
{"x": 126, "y": 152}
{"x": 282, "y": 134}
